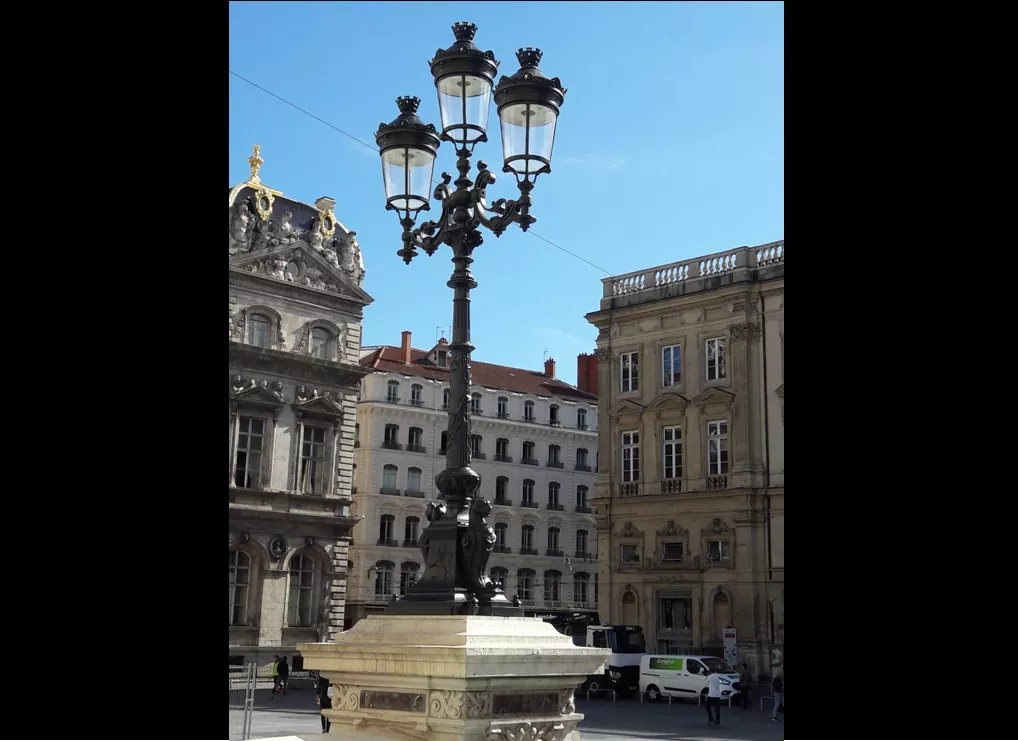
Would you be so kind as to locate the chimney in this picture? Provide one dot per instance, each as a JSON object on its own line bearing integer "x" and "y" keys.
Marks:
{"x": 405, "y": 347}
{"x": 549, "y": 367}
{"x": 586, "y": 373}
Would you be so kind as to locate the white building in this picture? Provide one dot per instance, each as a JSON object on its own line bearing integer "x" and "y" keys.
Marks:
{"x": 535, "y": 446}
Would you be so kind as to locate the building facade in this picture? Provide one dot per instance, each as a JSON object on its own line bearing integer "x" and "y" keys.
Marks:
{"x": 296, "y": 305}
{"x": 535, "y": 446}
{"x": 690, "y": 493}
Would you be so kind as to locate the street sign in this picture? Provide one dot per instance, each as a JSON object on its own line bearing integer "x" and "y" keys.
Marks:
{"x": 731, "y": 651}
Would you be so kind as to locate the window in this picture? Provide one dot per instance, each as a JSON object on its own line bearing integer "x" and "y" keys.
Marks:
{"x": 410, "y": 529}
{"x": 413, "y": 479}
{"x": 501, "y": 534}
{"x": 527, "y": 536}
{"x": 528, "y": 491}
{"x": 630, "y": 456}
{"x": 407, "y": 576}
{"x": 553, "y": 414}
{"x": 717, "y": 448}
{"x": 386, "y": 525}
{"x": 391, "y": 436}
{"x": 392, "y": 394}
{"x": 528, "y": 411}
{"x": 502, "y": 449}
{"x": 525, "y": 584}
{"x": 389, "y": 476}
{"x": 302, "y": 591}
{"x": 553, "y": 490}
{"x": 475, "y": 403}
{"x": 503, "y": 407}
{"x": 258, "y": 332}
{"x": 675, "y": 613}
{"x": 581, "y": 419}
{"x": 672, "y": 457}
{"x": 716, "y": 365}
{"x": 442, "y": 358}
{"x": 581, "y": 544}
{"x": 499, "y": 575}
{"x": 581, "y": 497}
{"x": 414, "y": 439}
{"x": 357, "y": 435}
{"x": 528, "y": 452}
{"x": 475, "y": 446}
{"x": 383, "y": 578}
{"x": 501, "y": 486}
{"x": 250, "y": 444}
{"x": 629, "y": 553}
{"x": 320, "y": 343}
{"x": 313, "y": 468}
{"x": 717, "y": 551}
{"x": 553, "y": 533}
{"x": 416, "y": 392}
{"x": 240, "y": 583}
{"x": 552, "y": 584}
{"x": 581, "y": 588}
{"x": 553, "y": 454}
{"x": 445, "y": 399}
{"x": 672, "y": 552}
{"x": 445, "y": 442}
{"x": 670, "y": 365}
{"x": 581, "y": 460}
{"x": 629, "y": 375}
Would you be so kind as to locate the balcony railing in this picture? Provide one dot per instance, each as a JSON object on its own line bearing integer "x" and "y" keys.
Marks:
{"x": 528, "y": 419}
{"x": 388, "y": 543}
{"x": 417, "y": 494}
{"x": 476, "y": 410}
{"x": 416, "y": 449}
{"x": 529, "y": 461}
{"x": 504, "y": 501}
{"x": 583, "y": 510}
{"x": 503, "y": 549}
{"x": 503, "y": 458}
{"x": 555, "y": 423}
{"x": 557, "y": 507}
{"x": 716, "y": 483}
{"x": 392, "y": 445}
{"x": 581, "y": 425}
{"x": 416, "y": 403}
{"x": 555, "y": 464}
{"x": 584, "y": 555}
{"x": 479, "y": 456}
{"x": 528, "y": 551}
{"x": 554, "y": 552}
{"x": 671, "y": 486}
{"x": 410, "y": 543}
{"x": 530, "y": 504}
{"x": 389, "y": 490}
{"x": 630, "y": 489}
{"x": 581, "y": 467}
{"x": 503, "y": 415}
{"x": 392, "y": 399}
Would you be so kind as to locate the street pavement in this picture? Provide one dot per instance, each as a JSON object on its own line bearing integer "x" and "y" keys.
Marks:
{"x": 296, "y": 714}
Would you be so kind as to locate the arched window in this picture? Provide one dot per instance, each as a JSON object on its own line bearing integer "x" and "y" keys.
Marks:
{"x": 386, "y": 525}
{"x": 410, "y": 531}
{"x": 417, "y": 395}
{"x": 581, "y": 460}
{"x": 528, "y": 411}
{"x": 553, "y": 533}
{"x": 475, "y": 403}
{"x": 445, "y": 399}
{"x": 390, "y": 438}
{"x": 581, "y": 498}
{"x": 445, "y": 443}
{"x": 414, "y": 438}
{"x": 475, "y": 447}
{"x": 392, "y": 392}
{"x": 240, "y": 587}
{"x": 554, "y": 456}
{"x": 502, "y": 450}
{"x": 389, "y": 479}
{"x": 407, "y": 575}
{"x": 581, "y": 419}
{"x": 527, "y": 538}
{"x": 553, "y": 491}
{"x": 499, "y": 575}
{"x": 503, "y": 407}
{"x": 553, "y": 415}
{"x": 581, "y": 588}
{"x": 528, "y": 453}
{"x": 525, "y": 584}
{"x": 581, "y": 544}
{"x": 501, "y": 537}
{"x": 383, "y": 578}
{"x": 552, "y": 586}
{"x": 321, "y": 340}
{"x": 528, "y": 494}
{"x": 259, "y": 330}
{"x": 501, "y": 490}
{"x": 302, "y": 591}
{"x": 413, "y": 480}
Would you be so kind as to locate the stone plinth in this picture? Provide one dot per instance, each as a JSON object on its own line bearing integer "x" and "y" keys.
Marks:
{"x": 453, "y": 678}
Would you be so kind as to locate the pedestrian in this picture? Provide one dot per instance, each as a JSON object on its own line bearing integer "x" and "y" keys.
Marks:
{"x": 284, "y": 675}
{"x": 779, "y": 697}
{"x": 744, "y": 682}
{"x": 275, "y": 676}
{"x": 324, "y": 701}
{"x": 713, "y": 697}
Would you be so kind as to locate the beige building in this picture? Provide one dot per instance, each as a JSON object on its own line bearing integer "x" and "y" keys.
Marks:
{"x": 296, "y": 305}
{"x": 534, "y": 444}
{"x": 690, "y": 493}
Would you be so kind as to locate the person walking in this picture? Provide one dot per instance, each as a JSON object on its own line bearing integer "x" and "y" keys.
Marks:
{"x": 713, "y": 697}
{"x": 284, "y": 675}
{"x": 275, "y": 676}
{"x": 779, "y": 697}
{"x": 744, "y": 682}
{"x": 324, "y": 701}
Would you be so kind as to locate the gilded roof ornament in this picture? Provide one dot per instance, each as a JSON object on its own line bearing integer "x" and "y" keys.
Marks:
{"x": 256, "y": 162}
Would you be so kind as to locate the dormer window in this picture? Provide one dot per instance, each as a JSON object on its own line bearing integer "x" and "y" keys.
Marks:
{"x": 442, "y": 358}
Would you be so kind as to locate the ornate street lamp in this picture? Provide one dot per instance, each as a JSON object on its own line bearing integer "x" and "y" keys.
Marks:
{"x": 458, "y": 541}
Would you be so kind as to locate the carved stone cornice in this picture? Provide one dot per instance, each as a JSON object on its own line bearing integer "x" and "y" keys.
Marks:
{"x": 252, "y": 393}
{"x": 345, "y": 377}
{"x": 253, "y": 281}
{"x": 745, "y": 332}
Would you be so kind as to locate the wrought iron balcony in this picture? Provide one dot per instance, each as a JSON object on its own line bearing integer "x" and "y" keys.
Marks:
{"x": 555, "y": 506}
{"x": 479, "y": 456}
{"x": 410, "y": 543}
{"x": 581, "y": 467}
{"x": 416, "y": 449}
{"x": 389, "y": 490}
{"x": 414, "y": 493}
{"x": 388, "y": 543}
{"x": 554, "y": 552}
{"x": 530, "y": 504}
{"x": 392, "y": 445}
{"x": 505, "y": 502}
{"x": 555, "y": 464}
{"x": 583, "y": 510}
{"x": 503, "y": 415}
{"x": 528, "y": 551}
{"x": 503, "y": 458}
{"x": 503, "y": 549}
{"x": 529, "y": 461}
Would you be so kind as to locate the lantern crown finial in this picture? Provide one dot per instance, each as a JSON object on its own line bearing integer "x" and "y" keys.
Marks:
{"x": 464, "y": 30}
{"x": 408, "y": 103}
{"x": 529, "y": 57}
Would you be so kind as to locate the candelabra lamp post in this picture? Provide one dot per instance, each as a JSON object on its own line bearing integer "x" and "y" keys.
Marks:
{"x": 458, "y": 541}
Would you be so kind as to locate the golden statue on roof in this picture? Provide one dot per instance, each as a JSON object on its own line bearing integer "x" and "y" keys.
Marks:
{"x": 256, "y": 161}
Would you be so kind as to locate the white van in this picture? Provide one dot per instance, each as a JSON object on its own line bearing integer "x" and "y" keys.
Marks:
{"x": 684, "y": 676}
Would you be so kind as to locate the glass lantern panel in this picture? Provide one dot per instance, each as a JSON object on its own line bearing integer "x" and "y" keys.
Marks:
{"x": 406, "y": 173}
{"x": 464, "y": 99}
{"x": 528, "y": 130}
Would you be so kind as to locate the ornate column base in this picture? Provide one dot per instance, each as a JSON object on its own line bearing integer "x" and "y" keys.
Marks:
{"x": 453, "y": 678}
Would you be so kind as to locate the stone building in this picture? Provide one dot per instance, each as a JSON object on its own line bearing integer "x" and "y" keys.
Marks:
{"x": 690, "y": 499}
{"x": 296, "y": 305}
{"x": 535, "y": 445}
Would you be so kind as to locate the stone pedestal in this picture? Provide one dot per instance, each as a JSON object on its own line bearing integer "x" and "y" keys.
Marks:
{"x": 453, "y": 678}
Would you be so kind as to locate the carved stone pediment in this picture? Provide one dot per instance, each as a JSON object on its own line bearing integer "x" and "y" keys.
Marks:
{"x": 625, "y": 406}
{"x": 250, "y": 392}
{"x": 671, "y": 528}
{"x": 668, "y": 401}
{"x": 629, "y": 530}
{"x": 717, "y": 527}
{"x": 299, "y": 264}
{"x": 318, "y": 406}
{"x": 714, "y": 396}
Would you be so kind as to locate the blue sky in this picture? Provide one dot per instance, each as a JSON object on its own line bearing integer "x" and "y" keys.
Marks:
{"x": 670, "y": 145}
